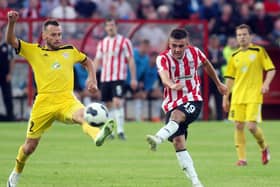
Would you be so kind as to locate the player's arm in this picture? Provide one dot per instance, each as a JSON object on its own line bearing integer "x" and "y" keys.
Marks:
{"x": 213, "y": 75}
{"x": 166, "y": 81}
{"x": 268, "y": 78}
{"x": 229, "y": 84}
{"x": 10, "y": 30}
{"x": 96, "y": 63}
{"x": 132, "y": 68}
{"x": 91, "y": 80}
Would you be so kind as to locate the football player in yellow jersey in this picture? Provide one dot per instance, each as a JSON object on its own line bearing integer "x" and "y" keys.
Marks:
{"x": 53, "y": 69}
{"x": 244, "y": 78}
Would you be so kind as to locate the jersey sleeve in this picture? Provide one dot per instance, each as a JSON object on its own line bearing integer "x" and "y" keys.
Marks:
{"x": 161, "y": 63}
{"x": 201, "y": 57}
{"x": 266, "y": 61}
{"x": 230, "y": 69}
{"x": 99, "y": 51}
{"x": 128, "y": 50}
{"x": 27, "y": 50}
{"x": 79, "y": 56}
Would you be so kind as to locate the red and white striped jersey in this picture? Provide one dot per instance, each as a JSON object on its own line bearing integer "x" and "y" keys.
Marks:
{"x": 183, "y": 71}
{"x": 113, "y": 52}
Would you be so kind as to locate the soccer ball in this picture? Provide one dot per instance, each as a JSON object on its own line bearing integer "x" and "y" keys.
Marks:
{"x": 96, "y": 114}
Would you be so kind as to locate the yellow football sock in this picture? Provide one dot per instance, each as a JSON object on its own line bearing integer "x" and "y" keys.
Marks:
{"x": 91, "y": 131}
{"x": 20, "y": 160}
{"x": 240, "y": 141}
{"x": 260, "y": 138}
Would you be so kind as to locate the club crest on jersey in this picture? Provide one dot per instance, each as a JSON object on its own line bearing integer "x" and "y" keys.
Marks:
{"x": 65, "y": 55}
{"x": 244, "y": 69}
{"x": 252, "y": 57}
{"x": 56, "y": 65}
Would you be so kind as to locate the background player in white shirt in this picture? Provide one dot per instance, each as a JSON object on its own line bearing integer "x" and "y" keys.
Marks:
{"x": 114, "y": 53}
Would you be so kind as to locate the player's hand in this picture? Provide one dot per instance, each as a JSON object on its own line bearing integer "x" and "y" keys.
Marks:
{"x": 226, "y": 103}
{"x": 177, "y": 86}
{"x": 133, "y": 84}
{"x": 265, "y": 88}
{"x": 13, "y": 16}
{"x": 222, "y": 88}
{"x": 92, "y": 86}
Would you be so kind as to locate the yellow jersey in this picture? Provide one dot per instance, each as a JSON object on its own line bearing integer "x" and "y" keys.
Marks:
{"x": 53, "y": 70}
{"x": 246, "y": 68}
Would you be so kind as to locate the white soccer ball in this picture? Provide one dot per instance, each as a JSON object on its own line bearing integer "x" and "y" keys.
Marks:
{"x": 96, "y": 114}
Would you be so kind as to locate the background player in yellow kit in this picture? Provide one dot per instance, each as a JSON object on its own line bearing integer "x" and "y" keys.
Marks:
{"x": 244, "y": 77}
{"x": 53, "y": 70}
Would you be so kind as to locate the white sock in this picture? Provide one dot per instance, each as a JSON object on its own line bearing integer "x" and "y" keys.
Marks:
{"x": 168, "y": 130}
{"x": 87, "y": 100}
{"x": 112, "y": 114}
{"x": 119, "y": 116}
{"x": 137, "y": 109}
{"x": 186, "y": 163}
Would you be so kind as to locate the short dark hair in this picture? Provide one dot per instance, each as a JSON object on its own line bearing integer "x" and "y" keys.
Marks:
{"x": 179, "y": 33}
{"x": 109, "y": 19}
{"x": 145, "y": 41}
{"x": 244, "y": 26}
{"x": 50, "y": 22}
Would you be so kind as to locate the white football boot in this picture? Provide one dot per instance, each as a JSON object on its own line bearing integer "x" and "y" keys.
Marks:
{"x": 153, "y": 141}
{"x": 13, "y": 179}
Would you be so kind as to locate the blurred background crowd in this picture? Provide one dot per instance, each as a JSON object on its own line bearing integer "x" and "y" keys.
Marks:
{"x": 222, "y": 15}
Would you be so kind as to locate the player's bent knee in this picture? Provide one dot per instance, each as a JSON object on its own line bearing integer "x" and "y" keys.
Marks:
{"x": 239, "y": 126}
{"x": 177, "y": 116}
{"x": 78, "y": 116}
{"x": 252, "y": 128}
{"x": 118, "y": 102}
{"x": 30, "y": 146}
{"x": 178, "y": 143}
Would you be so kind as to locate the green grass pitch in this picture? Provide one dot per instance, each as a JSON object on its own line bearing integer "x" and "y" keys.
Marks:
{"x": 68, "y": 158}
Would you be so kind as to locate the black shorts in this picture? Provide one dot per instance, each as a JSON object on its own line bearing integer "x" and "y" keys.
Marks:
{"x": 109, "y": 90}
{"x": 191, "y": 110}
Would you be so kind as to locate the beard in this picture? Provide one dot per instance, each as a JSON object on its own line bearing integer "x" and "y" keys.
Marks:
{"x": 54, "y": 46}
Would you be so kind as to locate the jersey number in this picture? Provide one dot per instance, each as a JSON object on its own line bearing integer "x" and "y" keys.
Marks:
{"x": 189, "y": 108}
{"x": 31, "y": 126}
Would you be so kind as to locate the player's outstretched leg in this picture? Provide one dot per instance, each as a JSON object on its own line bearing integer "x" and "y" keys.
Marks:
{"x": 13, "y": 179}
{"x": 163, "y": 134}
{"x": 106, "y": 130}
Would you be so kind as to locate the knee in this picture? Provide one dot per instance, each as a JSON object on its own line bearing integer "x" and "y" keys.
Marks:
{"x": 239, "y": 126}
{"x": 252, "y": 128}
{"x": 78, "y": 116}
{"x": 117, "y": 102}
{"x": 178, "y": 144}
{"x": 29, "y": 148}
{"x": 177, "y": 116}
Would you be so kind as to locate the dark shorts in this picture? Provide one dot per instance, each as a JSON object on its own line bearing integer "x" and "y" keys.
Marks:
{"x": 109, "y": 90}
{"x": 191, "y": 110}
